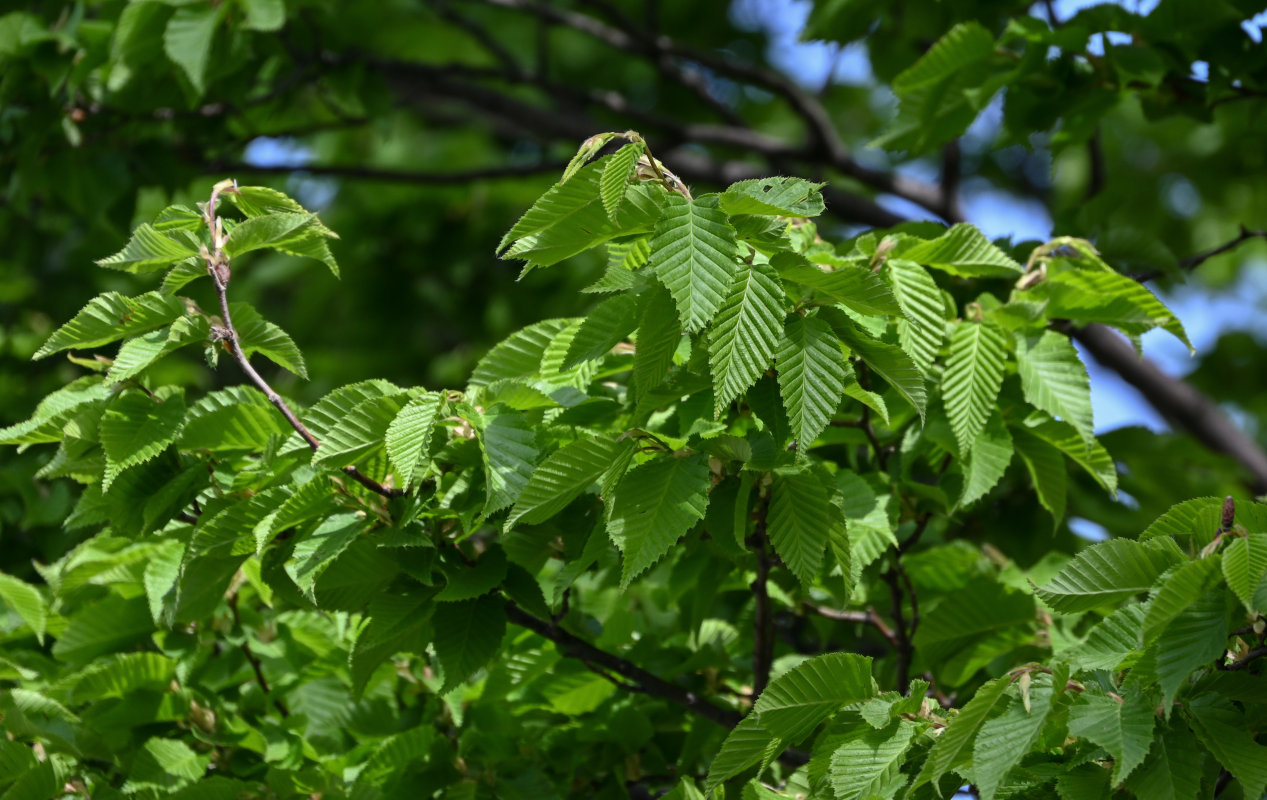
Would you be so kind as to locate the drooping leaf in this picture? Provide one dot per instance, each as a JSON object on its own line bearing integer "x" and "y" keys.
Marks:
{"x": 962, "y": 251}
{"x": 653, "y": 505}
{"x": 798, "y": 700}
{"x": 150, "y": 250}
{"x": 1194, "y": 639}
{"x": 1111, "y": 299}
{"x": 1112, "y": 644}
{"x": 258, "y": 335}
{"x": 407, "y": 436}
{"x": 811, "y": 375}
{"x": 236, "y": 418}
{"x": 1046, "y": 469}
{"x": 922, "y": 332}
{"x": 564, "y": 476}
{"x": 110, "y": 317}
{"x": 987, "y": 460}
{"x": 1055, "y": 380}
{"x": 799, "y": 519}
{"x": 659, "y": 333}
{"x": 467, "y": 636}
{"x": 785, "y": 197}
{"x": 964, "y": 44}
{"x": 974, "y": 375}
{"x": 509, "y": 446}
{"x": 885, "y": 360}
{"x": 744, "y": 333}
{"x": 856, "y": 288}
{"x": 1179, "y": 591}
{"x": 270, "y": 231}
{"x": 137, "y": 354}
{"x": 188, "y": 40}
{"x": 693, "y": 254}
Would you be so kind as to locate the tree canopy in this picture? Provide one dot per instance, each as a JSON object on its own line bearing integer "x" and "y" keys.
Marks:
{"x": 513, "y": 399}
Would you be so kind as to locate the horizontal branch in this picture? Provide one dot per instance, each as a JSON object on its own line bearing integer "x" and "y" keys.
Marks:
{"x": 868, "y": 617}
{"x": 1197, "y": 259}
{"x": 457, "y": 177}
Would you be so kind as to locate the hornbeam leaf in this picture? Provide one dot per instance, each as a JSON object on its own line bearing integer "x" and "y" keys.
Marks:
{"x": 509, "y": 445}
{"x": 964, "y": 44}
{"x": 614, "y": 181}
{"x": 1046, "y": 469}
{"x": 518, "y": 355}
{"x": 1226, "y": 732}
{"x": 408, "y": 434}
{"x": 1124, "y": 727}
{"x": 1090, "y": 455}
{"x": 1179, "y": 591}
{"x": 45, "y": 425}
{"x": 1009, "y": 736}
{"x": 1194, "y": 639}
{"x": 1107, "y": 572}
{"x": 187, "y": 41}
{"x": 605, "y": 327}
{"x": 150, "y": 250}
{"x": 745, "y": 745}
{"x": 257, "y": 335}
{"x": 798, "y": 700}
{"x": 360, "y": 432}
{"x": 136, "y": 354}
{"x": 693, "y": 254}
{"x": 798, "y": 522}
{"x": 854, "y": 287}
{"x": 467, "y": 637}
{"x": 27, "y": 602}
{"x": 659, "y": 333}
{"x": 987, "y": 460}
{"x": 314, "y": 554}
{"x": 962, "y": 251}
{"x": 1055, "y": 380}
{"x": 954, "y": 747}
{"x": 1173, "y": 768}
{"x": 272, "y": 230}
{"x": 335, "y": 406}
{"x": 811, "y": 375}
{"x": 1112, "y": 299}
{"x": 1112, "y": 644}
{"x": 861, "y": 767}
{"x": 110, "y": 317}
{"x": 974, "y": 375}
{"x": 565, "y": 475}
{"x": 783, "y": 197}
{"x": 922, "y": 332}
{"x": 745, "y": 333}
{"x": 885, "y": 360}
{"x": 136, "y": 427}
{"x": 1245, "y": 570}
{"x": 237, "y": 418}
{"x": 653, "y": 506}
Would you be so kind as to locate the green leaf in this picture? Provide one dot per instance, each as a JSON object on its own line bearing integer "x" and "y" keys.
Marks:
{"x": 744, "y": 333}
{"x": 45, "y": 425}
{"x": 264, "y": 15}
{"x": 1055, "y": 380}
{"x": 518, "y": 355}
{"x": 614, "y": 181}
{"x": 509, "y": 445}
{"x": 269, "y": 231}
{"x": 1226, "y": 733}
{"x": 783, "y": 197}
{"x": 239, "y": 418}
{"x": 111, "y": 624}
{"x": 974, "y": 375}
{"x": 605, "y": 327}
{"x": 745, "y": 745}
{"x": 799, "y": 518}
{"x": 659, "y": 333}
{"x": 149, "y": 251}
{"x": 463, "y": 582}
{"x": 1173, "y": 768}
{"x": 861, "y": 767}
{"x": 360, "y": 432}
{"x": 1088, "y": 454}
{"x": 798, "y": 700}
{"x": 962, "y": 251}
{"x": 260, "y": 336}
{"x": 188, "y": 40}
{"x": 922, "y": 332}
{"x": 811, "y": 375}
{"x": 139, "y": 353}
{"x": 336, "y": 405}
{"x": 964, "y": 44}
{"x": 1112, "y": 644}
{"x": 693, "y": 254}
{"x": 981, "y": 621}
{"x": 27, "y": 602}
{"x": 136, "y": 427}
{"x": 1193, "y": 640}
{"x": 885, "y": 360}
{"x": 1107, "y": 572}
{"x": 1180, "y": 590}
{"x": 953, "y": 747}
{"x": 165, "y": 764}
{"x": 1245, "y": 570}
{"x": 856, "y": 288}
{"x": 408, "y": 435}
{"x": 987, "y": 460}
{"x": 110, "y": 317}
{"x": 1199, "y": 517}
{"x": 1006, "y": 738}
{"x": 653, "y": 506}
{"x": 1046, "y": 469}
{"x": 396, "y": 624}
{"x": 565, "y": 475}
{"x": 1111, "y": 299}
{"x": 1122, "y": 726}
{"x": 120, "y": 674}
{"x": 468, "y": 635}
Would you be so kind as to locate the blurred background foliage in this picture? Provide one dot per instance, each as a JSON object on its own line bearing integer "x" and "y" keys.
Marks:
{"x": 421, "y": 130}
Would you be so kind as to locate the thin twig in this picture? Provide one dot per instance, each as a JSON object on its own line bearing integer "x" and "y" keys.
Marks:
{"x": 1250, "y": 657}
{"x": 763, "y": 620}
{"x": 901, "y": 632}
{"x": 455, "y": 178}
{"x": 218, "y": 267}
{"x": 869, "y": 617}
{"x": 1197, "y": 259}
{"x": 251, "y": 658}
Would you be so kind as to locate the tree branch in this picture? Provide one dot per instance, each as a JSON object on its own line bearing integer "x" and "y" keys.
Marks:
{"x": 869, "y": 617}
{"x": 251, "y": 658}
{"x": 901, "y": 632}
{"x": 218, "y": 267}
{"x": 1197, "y": 259}
{"x": 1177, "y": 401}
{"x": 1250, "y": 657}
{"x": 455, "y": 178}
{"x": 763, "y": 621}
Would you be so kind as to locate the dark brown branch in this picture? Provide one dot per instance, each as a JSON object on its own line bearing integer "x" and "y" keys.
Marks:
{"x": 218, "y": 268}
{"x": 869, "y": 617}
{"x": 251, "y": 658}
{"x": 901, "y": 632}
{"x": 455, "y": 178}
{"x": 1178, "y": 402}
{"x": 1250, "y": 657}
{"x": 763, "y": 619}
{"x": 1197, "y": 259}
{"x": 1099, "y": 175}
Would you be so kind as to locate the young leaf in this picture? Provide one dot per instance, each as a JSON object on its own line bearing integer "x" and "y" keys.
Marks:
{"x": 271, "y": 231}
{"x": 1245, "y": 570}
{"x": 974, "y": 375}
{"x": 744, "y": 333}
{"x": 1107, "y": 572}
{"x": 783, "y": 197}
{"x": 653, "y": 506}
{"x": 518, "y": 355}
{"x": 360, "y": 432}
{"x": 861, "y": 767}
{"x": 257, "y": 335}
{"x": 856, "y": 288}
{"x": 614, "y": 181}
{"x": 468, "y": 635}
{"x": 140, "y": 352}
{"x": 136, "y": 427}
{"x": 26, "y": 601}
{"x": 1124, "y": 727}
{"x": 110, "y": 317}
{"x": 798, "y": 521}
{"x": 922, "y": 332}
{"x": 693, "y": 254}
{"x": 564, "y": 476}
{"x": 408, "y": 434}
{"x": 605, "y": 327}
{"x": 150, "y": 250}
{"x": 1055, "y": 380}
{"x": 811, "y": 375}
{"x": 798, "y": 700}
{"x": 962, "y": 251}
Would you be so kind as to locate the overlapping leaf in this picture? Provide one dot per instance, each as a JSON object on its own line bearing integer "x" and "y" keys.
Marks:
{"x": 693, "y": 254}
{"x": 745, "y": 333}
